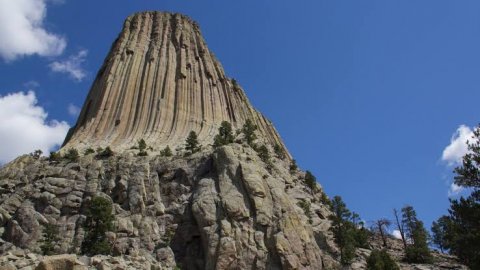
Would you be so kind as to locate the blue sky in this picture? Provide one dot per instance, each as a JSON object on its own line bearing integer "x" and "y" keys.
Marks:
{"x": 366, "y": 94}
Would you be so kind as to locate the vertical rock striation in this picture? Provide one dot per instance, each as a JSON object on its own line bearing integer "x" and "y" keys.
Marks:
{"x": 159, "y": 82}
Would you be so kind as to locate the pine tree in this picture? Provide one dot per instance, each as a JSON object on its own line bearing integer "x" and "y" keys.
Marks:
{"x": 440, "y": 231}
{"x": 310, "y": 180}
{"x": 381, "y": 260}
{"x": 99, "y": 220}
{"x": 224, "y": 136}
{"x": 343, "y": 230}
{"x": 417, "y": 251}
{"x": 279, "y": 153}
{"x": 381, "y": 226}
{"x": 249, "y": 132}
{"x": 293, "y": 166}
{"x": 72, "y": 155}
{"x": 50, "y": 237}
{"x": 192, "y": 144}
{"x": 166, "y": 152}
{"x": 142, "y": 146}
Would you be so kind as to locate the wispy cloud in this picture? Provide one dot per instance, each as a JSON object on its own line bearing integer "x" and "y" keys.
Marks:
{"x": 22, "y": 30}
{"x": 454, "y": 152}
{"x": 72, "y": 66}
{"x": 24, "y": 127}
{"x": 73, "y": 110}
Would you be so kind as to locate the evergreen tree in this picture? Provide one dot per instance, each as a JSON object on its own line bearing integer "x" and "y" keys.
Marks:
{"x": 263, "y": 153}
{"x": 54, "y": 156}
{"x": 224, "y": 136}
{"x": 36, "y": 154}
{"x": 381, "y": 260}
{"x": 142, "y": 146}
{"x": 104, "y": 153}
{"x": 249, "y": 132}
{"x": 440, "y": 230}
{"x": 293, "y": 166}
{"x": 343, "y": 230}
{"x": 192, "y": 144}
{"x": 310, "y": 180}
{"x": 166, "y": 152}
{"x": 50, "y": 237}
{"x": 381, "y": 226}
{"x": 88, "y": 151}
{"x": 72, "y": 155}
{"x": 417, "y": 251}
{"x": 99, "y": 220}
{"x": 279, "y": 153}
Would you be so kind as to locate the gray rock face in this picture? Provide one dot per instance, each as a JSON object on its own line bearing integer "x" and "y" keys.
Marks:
{"x": 213, "y": 210}
{"x": 159, "y": 82}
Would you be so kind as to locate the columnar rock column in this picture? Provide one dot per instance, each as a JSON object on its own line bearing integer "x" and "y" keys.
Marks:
{"x": 159, "y": 82}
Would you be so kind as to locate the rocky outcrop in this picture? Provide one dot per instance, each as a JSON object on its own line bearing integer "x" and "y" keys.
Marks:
{"x": 159, "y": 82}
{"x": 218, "y": 209}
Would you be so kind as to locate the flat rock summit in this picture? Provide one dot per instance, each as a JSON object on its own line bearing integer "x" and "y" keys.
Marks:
{"x": 233, "y": 206}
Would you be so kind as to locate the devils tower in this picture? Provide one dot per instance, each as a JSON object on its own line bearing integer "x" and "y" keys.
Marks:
{"x": 158, "y": 83}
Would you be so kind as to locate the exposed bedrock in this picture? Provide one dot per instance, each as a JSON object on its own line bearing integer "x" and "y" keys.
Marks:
{"x": 159, "y": 82}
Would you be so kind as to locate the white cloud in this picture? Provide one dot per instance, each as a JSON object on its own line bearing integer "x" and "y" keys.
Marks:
{"x": 23, "y": 126}
{"x": 455, "y": 190}
{"x": 397, "y": 234}
{"x": 73, "y": 110}
{"x": 22, "y": 31}
{"x": 454, "y": 152}
{"x": 72, "y": 65}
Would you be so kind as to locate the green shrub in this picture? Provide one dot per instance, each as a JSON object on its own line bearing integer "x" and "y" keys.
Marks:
{"x": 381, "y": 260}
{"x": 248, "y": 131}
{"x": 293, "y": 166}
{"x": 192, "y": 144}
{"x": 224, "y": 136}
{"x": 36, "y": 154}
{"x": 104, "y": 153}
{"x": 89, "y": 151}
{"x": 50, "y": 237}
{"x": 310, "y": 181}
{"x": 306, "y": 205}
{"x": 72, "y": 155}
{"x": 99, "y": 220}
{"x": 54, "y": 156}
{"x": 166, "y": 152}
{"x": 279, "y": 153}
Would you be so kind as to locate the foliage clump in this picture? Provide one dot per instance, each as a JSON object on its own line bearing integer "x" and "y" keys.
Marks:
{"x": 306, "y": 207}
{"x": 279, "y": 153}
{"x": 248, "y": 131}
{"x": 310, "y": 180}
{"x": 224, "y": 136}
{"x": 348, "y": 231}
{"x": 72, "y": 155}
{"x": 381, "y": 260}
{"x": 293, "y": 166}
{"x": 99, "y": 221}
{"x": 104, "y": 153}
{"x": 55, "y": 156}
{"x": 166, "y": 152}
{"x": 50, "y": 237}
{"x": 192, "y": 145}
{"x": 36, "y": 154}
{"x": 89, "y": 151}
{"x": 142, "y": 146}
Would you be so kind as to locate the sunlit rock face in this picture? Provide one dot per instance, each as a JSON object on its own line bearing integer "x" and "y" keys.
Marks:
{"x": 159, "y": 82}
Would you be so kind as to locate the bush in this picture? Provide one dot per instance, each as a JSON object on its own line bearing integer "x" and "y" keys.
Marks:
{"x": 142, "y": 146}
{"x": 306, "y": 205}
{"x": 72, "y": 155}
{"x": 54, "y": 156}
{"x": 293, "y": 166}
{"x": 89, "y": 151}
{"x": 279, "y": 153}
{"x": 381, "y": 260}
{"x": 50, "y": 237}
{"x": 99, "y": 220}
{"x": 167, "y": 152}
{"x": 36, "y": 154}
{"x": 248, "y": 130}
{"x": 104, "y": 153}
{"x": 192, "y": 144}
{"x": 224, "y": 136}
{"x": 310, "y": 181}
